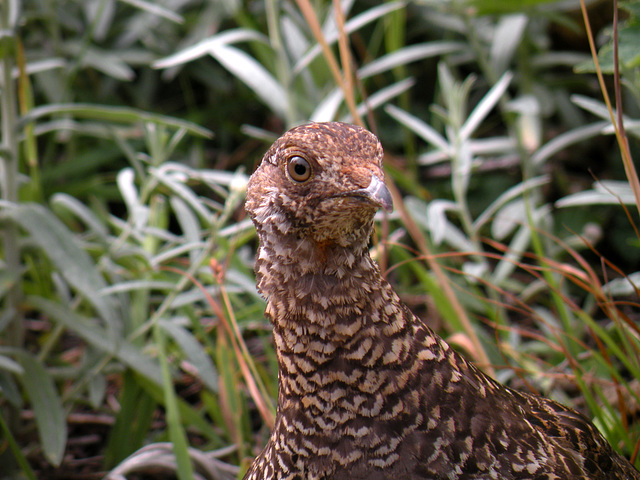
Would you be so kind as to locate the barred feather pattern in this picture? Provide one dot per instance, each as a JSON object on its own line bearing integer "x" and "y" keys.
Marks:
{"x": 366, "y": 390}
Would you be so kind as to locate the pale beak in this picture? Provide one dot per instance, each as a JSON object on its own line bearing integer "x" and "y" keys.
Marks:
{"x": 377, "y": 192}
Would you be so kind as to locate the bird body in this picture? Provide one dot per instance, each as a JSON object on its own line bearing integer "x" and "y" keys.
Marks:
{"x": 366, "y": 390}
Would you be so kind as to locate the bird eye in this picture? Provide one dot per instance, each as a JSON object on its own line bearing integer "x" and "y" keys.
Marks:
{"x": 299, "y": 169}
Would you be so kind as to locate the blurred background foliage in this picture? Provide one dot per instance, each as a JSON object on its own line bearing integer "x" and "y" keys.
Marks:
{"x": 132, "y": 339}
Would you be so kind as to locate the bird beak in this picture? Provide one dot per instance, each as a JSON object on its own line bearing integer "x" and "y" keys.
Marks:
{"x": 377, "y": 192}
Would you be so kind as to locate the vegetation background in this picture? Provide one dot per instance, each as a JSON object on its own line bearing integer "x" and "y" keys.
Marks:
{"x": 132, "y": 340}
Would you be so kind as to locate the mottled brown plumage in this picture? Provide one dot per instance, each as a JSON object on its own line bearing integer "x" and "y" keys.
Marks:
{"x": 366, "y": 390}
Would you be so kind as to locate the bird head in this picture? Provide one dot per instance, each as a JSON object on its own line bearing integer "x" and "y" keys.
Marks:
{"x": 320, "y": 181}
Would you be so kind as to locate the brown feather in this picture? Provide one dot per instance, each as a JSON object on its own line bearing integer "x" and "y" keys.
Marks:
{"x": 366, "y": 390}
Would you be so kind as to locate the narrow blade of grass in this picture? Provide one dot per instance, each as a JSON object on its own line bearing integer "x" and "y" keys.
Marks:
{"x": 113, "y": 114}
{"x": 47, "y": 407}
{"x": 177, "y": 434}
{"x": 17, "y": 452}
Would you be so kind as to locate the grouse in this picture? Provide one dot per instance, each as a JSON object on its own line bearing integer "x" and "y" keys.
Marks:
{"x": 365, "y": 389}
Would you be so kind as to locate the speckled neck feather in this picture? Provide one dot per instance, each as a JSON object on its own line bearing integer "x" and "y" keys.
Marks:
{"x": 366, "y": 391}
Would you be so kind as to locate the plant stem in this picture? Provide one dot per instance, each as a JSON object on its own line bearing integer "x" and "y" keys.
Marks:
{"x": 283, "y": 70}
{"x": 9, "y": 174}
{"x": 627, "y": 161}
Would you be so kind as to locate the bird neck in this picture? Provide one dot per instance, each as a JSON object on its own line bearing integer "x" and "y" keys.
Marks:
{"x": 327, "y": 299}
{"x": 289, "y": 258}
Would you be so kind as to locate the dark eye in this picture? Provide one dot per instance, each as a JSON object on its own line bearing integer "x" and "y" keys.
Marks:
{"x": 299, "y": 169}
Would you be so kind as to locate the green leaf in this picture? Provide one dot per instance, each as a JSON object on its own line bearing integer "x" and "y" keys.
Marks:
{"x": 194, "y": 351}
{"x": 177, "y": 433}
{"x": 7, "y": 280}
{"x": 9, "y": 365}
{"x": 254, "y": 75}
{"x": 566, "y": 139}
{"x": 489, "y": 7}
{"x": 47, "y": 407}
{"x": 506, "y": 40}
{"x": 106, "y": 62}
{"x": 71, "y": 205}
{"x": 603, "y": 193}
{"x": 92, "y": 333}
{"x": 73, "y": 263}
{"x": 623, "y": 286}
{"x": 96, "y": 389}
{"x": 155, "y": 9}
{"x": 188, "y": 413}
{"x": 420, "y": 128}
{"x": 490, "y": 100}
{"x": 508, "y": 196}
{"x": 381, "y": 97}
{"x": 628, "y": 54}
{"x": 406, "y": 55}
{"x": 15, "y": 449}
{"x": 205, "y": 46}
{"x": 113, "y": 114}
{"x": 132, "y": 420}
{"x": 167, "y": 176}
{"x": 10, "y": 390}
